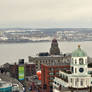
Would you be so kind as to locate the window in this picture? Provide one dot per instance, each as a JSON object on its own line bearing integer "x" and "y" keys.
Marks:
{"x": 57, "y": 73}
{"x": 51, "y": 78}
{"x": 72, "y": 59}
{"x": 61, "y": 76}
{"x": 75, "y": 70}
{"x": 81, "y": 82}
{"x": 51, "y": 69}
{"x": 72, "y": 70}
{"x": 81, "y": 61}
{"x": 75, "y": 61}
{"x": 66, "y": 78}
{"x": 51, "y": 73}
{"x": 50, "y": 83}
{"x": 76, "y": 82}
{"x": 55, "y": 82}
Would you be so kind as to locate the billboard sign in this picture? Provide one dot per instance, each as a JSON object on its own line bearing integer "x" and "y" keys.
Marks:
{"x": 21, "y": 72}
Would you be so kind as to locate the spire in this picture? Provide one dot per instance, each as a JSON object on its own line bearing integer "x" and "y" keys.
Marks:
{"x": 78, "y": 46}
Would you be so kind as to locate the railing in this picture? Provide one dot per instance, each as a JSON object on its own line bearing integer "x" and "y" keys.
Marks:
{"x": 61, "y": 82}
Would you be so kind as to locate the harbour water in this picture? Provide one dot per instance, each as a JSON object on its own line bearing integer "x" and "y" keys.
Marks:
{"x": 12, "y": 52}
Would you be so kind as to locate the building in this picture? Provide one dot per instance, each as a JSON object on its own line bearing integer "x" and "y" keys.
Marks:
{"x": 30, "y": 69}
{"x": 50, "y": 58}
{"x": 54, "y": 50}
{"x": 77, "y": 77}
{"x": 13, "y": 70}
{"x": 49, "y": 72}
{"x": 5, "y": 86}
{"x": 60, "y": 59}
{"x": 22, "y": 68}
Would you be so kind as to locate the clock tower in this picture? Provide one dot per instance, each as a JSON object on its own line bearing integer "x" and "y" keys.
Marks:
{"x": 79, "y": 62}
{"x": 79, "y": 77}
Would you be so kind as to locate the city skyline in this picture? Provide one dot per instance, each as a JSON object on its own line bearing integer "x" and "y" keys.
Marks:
{"x": 47, "y": 13}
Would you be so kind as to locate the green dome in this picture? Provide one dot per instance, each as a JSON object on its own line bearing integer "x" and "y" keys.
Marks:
{"x": 79, "y": 53}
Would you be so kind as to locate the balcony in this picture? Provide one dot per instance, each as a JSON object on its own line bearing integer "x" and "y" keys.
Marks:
{"x": 60, "y": 81}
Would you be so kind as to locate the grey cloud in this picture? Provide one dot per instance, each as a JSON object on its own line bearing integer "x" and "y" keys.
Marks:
{"x": 46, "y": 12}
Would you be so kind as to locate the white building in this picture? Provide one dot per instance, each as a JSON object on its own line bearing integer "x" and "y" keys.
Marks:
{"x": 77, "y": 77}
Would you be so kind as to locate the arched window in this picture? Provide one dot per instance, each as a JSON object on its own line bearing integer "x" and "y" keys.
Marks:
{"x": 81, "y": 61}
{"x": 75, "y": 61}
{"x": 75, "y": 70}
{"x": 81, "y": 82}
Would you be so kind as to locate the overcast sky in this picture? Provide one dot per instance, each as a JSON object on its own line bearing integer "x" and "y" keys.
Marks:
{"x": 46, "y": 13}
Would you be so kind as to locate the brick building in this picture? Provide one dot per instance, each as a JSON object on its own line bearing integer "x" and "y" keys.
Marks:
{"x": 49, "y": 72}
{"x": 13, "y": 69}
{"x": 29, "y": 69}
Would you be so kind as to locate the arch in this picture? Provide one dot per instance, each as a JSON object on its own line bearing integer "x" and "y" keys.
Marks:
{"x": 81, "y": 61}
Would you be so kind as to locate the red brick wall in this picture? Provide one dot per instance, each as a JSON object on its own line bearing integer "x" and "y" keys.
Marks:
{"x": 45, "y": 73}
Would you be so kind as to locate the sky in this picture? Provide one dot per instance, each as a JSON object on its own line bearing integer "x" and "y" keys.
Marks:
{"x": 46, "y": 13}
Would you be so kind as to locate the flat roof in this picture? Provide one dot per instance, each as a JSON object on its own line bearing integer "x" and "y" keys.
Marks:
{"x": 4, "y": 84}
{"x": 57, "y": 64}
{"x": 66, "y": 71}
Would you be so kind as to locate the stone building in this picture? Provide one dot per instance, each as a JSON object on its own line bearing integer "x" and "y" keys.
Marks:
{"x": 54, "y": 50}
{"x": 50, "y": 60}
{"x": 54, "y": 57}
{"x": 78, "y": 76}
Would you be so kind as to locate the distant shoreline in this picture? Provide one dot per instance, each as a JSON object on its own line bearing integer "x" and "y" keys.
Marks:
{"x": 13, "y": 42}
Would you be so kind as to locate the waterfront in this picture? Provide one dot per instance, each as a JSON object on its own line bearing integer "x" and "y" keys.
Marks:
{"x": 13, "y": 52}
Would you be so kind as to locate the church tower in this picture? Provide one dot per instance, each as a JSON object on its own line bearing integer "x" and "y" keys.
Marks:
{"x": 54, "y": 50}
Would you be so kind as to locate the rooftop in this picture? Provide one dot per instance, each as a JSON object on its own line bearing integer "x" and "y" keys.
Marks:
{"x": 79, "y": 52}
{"x": 66, "y": 71}
{"x": 4, "y": 84}
{"x": 58, "y": 64}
